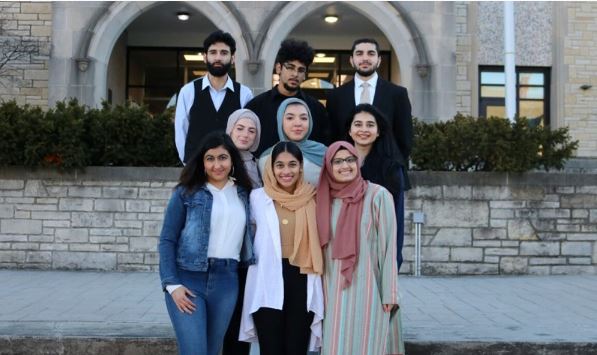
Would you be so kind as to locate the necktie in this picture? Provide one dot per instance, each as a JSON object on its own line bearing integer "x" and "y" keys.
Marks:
{"x": 365, "y": 93}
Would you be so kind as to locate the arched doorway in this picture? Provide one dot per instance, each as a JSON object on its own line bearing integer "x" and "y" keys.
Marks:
{"x": 109, "y": 30}
{"x": 380, "y": 16}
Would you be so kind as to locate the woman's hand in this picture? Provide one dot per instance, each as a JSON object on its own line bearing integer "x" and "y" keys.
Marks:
{"x": 183, "y": 302}
{"x": 389, "y": 307}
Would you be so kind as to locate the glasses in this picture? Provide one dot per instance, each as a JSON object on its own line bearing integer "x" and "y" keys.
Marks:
{"x": 350, "y": 160}
{"x": 299, "y": 70}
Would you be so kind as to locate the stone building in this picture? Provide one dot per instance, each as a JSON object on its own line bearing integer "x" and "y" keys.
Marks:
{"x": 448, "y": 54}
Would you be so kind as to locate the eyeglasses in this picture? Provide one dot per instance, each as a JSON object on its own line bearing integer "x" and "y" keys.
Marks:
{"x": 349, "y": 160}
{"x": 299, "y": 70}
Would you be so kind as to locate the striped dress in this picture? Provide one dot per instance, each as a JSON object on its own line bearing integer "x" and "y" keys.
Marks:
{"x": 354, "y": 321}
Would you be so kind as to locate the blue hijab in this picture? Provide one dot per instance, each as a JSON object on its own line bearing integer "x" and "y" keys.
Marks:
{"x": 312, "y": 150}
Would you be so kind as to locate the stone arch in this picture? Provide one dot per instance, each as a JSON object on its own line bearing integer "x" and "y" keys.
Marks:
{"x": 119, "y": 16}
{"x": 390, "y": 18}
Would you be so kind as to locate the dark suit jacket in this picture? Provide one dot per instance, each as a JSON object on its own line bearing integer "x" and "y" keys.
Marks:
{"x": 390, "y": 99}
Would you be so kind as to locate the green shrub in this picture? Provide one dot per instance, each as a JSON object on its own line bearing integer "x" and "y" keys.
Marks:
{"x": 74, "y": 136}
{"x": 493, "y": 144}
{"x": 130, "y": 136}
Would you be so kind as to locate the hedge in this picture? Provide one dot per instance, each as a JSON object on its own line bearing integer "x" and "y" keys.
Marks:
{"x": 74, "y": 136}
{"x": 490, "y": 144}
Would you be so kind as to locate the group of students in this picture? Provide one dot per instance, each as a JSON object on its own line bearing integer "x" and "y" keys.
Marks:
{"x": 273, "y": 237}
{"x": 313, "y": 229}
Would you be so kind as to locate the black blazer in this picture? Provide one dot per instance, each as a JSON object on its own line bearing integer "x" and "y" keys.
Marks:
{"x": 390, "y": 99}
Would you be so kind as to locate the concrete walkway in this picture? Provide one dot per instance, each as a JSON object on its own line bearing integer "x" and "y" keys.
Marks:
{"x": 546, "y": 309}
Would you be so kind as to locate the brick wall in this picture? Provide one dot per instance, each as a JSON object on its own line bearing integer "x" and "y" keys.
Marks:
{"x": 580, "y": 59}
{"x": 26, "y": 79}
{"x": 476, "y": 223}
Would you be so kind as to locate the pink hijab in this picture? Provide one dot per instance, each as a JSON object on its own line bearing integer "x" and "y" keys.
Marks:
{"x": 346, "y": 238}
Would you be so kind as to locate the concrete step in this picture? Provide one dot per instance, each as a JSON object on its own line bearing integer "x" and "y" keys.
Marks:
{"x": 165, "y": 346}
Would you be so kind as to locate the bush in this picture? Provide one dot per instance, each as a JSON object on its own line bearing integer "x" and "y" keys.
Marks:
{"x": 493, "y": 144}
{"x": 130, "y": 136}
{"x": 74, "y": 136}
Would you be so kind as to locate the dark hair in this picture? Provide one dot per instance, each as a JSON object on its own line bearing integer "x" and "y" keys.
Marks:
{"x": 381, "y": 164}
{"x": 288, "y": 147}
{"x": 364, "y": 40}
{"x": 292, "y": 49}
{"x": 193, "y": 174}
{"x": 220, "y": 36}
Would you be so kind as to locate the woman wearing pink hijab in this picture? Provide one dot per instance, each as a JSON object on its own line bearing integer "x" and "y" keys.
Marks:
{"x": 357, "y": 230}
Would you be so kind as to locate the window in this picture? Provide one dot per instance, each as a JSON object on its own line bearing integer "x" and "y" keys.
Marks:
{"x": 532, "y": 92}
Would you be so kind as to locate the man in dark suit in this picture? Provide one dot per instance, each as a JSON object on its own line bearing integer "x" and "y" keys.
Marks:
{"x": 389, "y": 98}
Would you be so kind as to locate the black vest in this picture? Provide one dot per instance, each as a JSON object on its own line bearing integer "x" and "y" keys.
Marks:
{"x": 203, "y": 117}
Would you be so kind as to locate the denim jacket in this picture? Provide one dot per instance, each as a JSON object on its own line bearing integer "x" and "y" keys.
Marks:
{"x": 185, "y": 233}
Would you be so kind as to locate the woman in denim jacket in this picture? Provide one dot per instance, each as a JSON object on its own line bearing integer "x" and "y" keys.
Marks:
{"x": 202, "y": 244}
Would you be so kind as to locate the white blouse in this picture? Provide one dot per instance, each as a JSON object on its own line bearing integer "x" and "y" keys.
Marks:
{"x": 227, "y": 227}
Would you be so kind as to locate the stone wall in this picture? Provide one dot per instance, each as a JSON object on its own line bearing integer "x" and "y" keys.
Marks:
{"x": 25, "y": 78}
{"x": 476, "y": 223}
{"x": 489, "y": 223}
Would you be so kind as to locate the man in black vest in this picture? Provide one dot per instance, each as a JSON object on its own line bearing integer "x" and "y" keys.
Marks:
{"x": 204, "y": 104}
{"x": 292, "y": 62}
{"x": 391, "y": 99}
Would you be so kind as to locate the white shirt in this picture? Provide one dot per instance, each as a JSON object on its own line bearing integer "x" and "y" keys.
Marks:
{"x": 185, "y": 102}
{"x": 227, "y": 224}
{"x": 226, "y": 233}
{"x": 358, "y": 88}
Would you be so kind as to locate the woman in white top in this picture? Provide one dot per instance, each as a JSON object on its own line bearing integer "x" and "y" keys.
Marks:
{"x": 206, "y": 234}
{"x": 295, "y": 125}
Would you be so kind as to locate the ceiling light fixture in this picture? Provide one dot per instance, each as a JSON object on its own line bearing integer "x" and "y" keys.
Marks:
{"x": 194, "y": 57}
{"x": 331, "y": 18}
{"x": 324, "y": 60}
{"x": 320, "y": 55}
{"x": 183, "y": 16}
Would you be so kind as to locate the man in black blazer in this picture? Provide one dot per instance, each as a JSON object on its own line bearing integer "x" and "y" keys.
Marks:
{"x": 389, "y": 98}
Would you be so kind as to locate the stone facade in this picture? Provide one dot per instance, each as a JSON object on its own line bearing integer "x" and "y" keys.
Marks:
{"x": 26, "y": 25}
{"x": 476, "y": 223}
{"x": 533, "y": 33}
{"x": 484, "y": 223}
{"x": 465, "y": 79}
{"x": 580, "y": 68}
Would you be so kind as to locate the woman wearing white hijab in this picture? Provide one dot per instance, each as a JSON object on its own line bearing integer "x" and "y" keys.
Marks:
{"x": 245, "y": 130}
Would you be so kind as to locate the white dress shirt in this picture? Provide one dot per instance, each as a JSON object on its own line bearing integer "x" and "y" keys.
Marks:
{"x": 358, "y": 88}
{"x": 185, "y": 102}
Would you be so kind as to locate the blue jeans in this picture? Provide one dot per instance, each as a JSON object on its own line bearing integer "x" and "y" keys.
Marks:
{"x": 202, "y": 332}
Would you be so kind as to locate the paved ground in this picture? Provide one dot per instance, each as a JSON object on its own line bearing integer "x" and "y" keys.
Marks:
{"x": 505, "y": 309}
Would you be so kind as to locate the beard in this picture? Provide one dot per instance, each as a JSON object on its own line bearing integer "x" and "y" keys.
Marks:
{"x": 219, "y": 71}
{"x": 290, "y": 88}
{"x": 366, "y": 73}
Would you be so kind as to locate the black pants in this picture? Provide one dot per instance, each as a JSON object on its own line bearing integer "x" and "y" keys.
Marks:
{"x": 286, "y": 331}
{"x": 231, "y": 344}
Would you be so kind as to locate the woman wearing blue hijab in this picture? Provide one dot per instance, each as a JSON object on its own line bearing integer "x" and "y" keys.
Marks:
{"x": 295, "y": 125}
